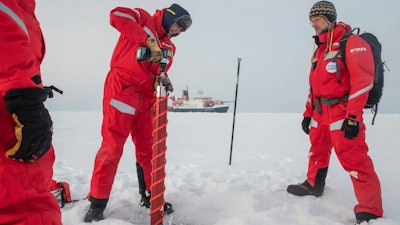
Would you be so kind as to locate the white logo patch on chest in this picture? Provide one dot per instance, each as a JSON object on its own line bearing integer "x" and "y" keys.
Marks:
{"x": 331, "y": 67}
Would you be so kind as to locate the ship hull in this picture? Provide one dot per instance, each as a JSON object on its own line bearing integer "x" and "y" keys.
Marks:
{"x": 222, "y": 109}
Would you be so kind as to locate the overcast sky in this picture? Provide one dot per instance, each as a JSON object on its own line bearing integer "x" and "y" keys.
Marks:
{"x": 272, "y": 37}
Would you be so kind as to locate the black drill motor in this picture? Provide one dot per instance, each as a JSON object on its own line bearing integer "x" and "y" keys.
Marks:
{"x": 144, "y": 54}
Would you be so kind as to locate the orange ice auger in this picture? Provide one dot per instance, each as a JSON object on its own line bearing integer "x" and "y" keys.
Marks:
{"x": 158, "y": 161}
{"x": 159, "y": 149}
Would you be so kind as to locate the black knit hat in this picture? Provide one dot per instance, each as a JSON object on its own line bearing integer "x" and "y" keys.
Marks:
{"x": 324, "y": 8}
{"x": 176, "y": 14}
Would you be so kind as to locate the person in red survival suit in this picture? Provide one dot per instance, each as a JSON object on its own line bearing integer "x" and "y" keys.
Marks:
{"x": 129, "y": 96}
{"x": 334, "y": 112}
{"x": 26, "y": 153}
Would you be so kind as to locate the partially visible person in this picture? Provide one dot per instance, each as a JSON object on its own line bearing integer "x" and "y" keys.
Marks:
{"x": 26, "y": 153}
{"x": 129, "y": 96}
{"x": 333, "y": 117}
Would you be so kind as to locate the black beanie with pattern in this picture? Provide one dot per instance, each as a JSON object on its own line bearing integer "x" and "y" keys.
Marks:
{"x": 324, "y": 8}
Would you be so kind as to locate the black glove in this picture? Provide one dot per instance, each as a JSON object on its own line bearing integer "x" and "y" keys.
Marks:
{"x": 34, "y": 127}
{"x": 305, "y": 124}
{"x": 164, "y": 81}
{"x": 350, "y": 128}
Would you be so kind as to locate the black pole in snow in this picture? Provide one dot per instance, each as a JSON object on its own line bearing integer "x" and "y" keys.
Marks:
{"x": 234, "y": 110}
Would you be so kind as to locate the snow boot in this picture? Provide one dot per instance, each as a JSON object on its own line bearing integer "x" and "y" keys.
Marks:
{"x": 365, "y": 217}
{"x": 146, "y": 196}
{"x": 306, "y": 189}
{"x": 145, "y": 201}
{"x": 95, "y": 213}
{"x": 96, "y": 209}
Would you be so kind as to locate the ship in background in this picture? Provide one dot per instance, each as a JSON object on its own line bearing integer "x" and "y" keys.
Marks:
{"x": 199, "y": 103}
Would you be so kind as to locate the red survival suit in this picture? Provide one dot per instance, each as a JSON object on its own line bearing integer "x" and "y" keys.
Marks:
{"x": 356, "y": 80}
{"x": 128, "y": 98}
{"x": 24, "y": 187}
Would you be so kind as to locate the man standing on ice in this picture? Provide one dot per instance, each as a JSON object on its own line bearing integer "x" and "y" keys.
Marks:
{"x": 129, "y": 96}
{"x": 334, "y": 121}
{"x": 26, "y": 153}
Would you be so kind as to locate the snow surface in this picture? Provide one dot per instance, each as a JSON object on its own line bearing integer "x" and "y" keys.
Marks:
{"x": 269, "y": 152}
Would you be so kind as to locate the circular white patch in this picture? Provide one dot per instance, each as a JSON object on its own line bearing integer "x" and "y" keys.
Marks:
{"x": 331, "y": 67}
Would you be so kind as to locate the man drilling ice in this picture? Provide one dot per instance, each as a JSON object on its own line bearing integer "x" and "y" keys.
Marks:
{"x": 129, "y": 95}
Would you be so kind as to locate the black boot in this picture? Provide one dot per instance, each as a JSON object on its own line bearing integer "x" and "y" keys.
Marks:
{"x": 365, "y": 217}
{"x": 145, "y": 201}
{"x": 306, "y": 189}
{"x": 303, "y": 189}
{"x": 146, "y": 196}
{"x": 96, "y": 209}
